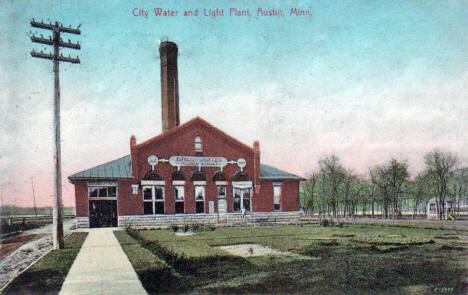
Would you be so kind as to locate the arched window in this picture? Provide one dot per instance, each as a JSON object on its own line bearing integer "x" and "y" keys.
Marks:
{"x": 153, "y": 175}
{"x": 198, "y": 144}
{"x": 178, "y": 175}
{"x": 219, "y": 176}
{"x": 198, "y": 176}
{"x": 240, "y": 176}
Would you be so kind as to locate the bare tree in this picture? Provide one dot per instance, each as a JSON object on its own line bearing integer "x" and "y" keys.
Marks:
{"x": 419, "y": 191}
{"x": 390, "y": 178}
{"x": 439, "y": 167}
{"x": 333, "y": 175}
{"x": 309, "y": 188}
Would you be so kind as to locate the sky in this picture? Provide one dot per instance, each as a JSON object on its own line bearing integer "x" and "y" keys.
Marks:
{"x": 363, "y": 80}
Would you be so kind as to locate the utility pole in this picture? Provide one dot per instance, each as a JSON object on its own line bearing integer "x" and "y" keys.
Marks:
{"x": 34, "y": 197}
{"x": 57, "y": 42}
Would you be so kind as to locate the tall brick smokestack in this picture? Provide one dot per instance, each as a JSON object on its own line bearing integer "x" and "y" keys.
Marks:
{"x": 169, "y": 85}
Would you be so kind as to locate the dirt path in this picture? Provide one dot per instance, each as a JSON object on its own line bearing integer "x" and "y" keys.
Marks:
{"x": 21, "y": 258}
{"x": 11, "y": 244}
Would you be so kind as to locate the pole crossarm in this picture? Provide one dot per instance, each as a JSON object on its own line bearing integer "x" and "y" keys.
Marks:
{"x": 49, "y": 41}
{"x": 51, "y": 57}
{"x": 50, "y": 26}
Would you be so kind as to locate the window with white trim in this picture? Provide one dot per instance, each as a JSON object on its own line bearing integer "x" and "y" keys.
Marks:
{"x": 199, "y": 199}
{"x": 153, "y": 200}
{"x": 179, "y": 195}
{"x": 198, "y": 144}
{"x": 277, "y": 196}
{"x": 241, "y": 199}
{"x": 100, "y": 191}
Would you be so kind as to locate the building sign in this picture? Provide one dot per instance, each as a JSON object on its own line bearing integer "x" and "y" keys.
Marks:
{"x": 153, "y": 161}
{"x": 198, "y": 161}
{"x": 241, "y": 162}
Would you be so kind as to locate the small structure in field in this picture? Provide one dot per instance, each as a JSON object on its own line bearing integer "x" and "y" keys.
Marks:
{"x": 251, "y": 250}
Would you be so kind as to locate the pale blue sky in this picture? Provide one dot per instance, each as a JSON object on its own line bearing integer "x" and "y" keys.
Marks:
{"x": 365, "y": 80}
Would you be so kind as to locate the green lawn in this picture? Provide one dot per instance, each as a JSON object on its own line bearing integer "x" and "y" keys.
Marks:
{"x": 354, "y": 259}
{"x": 48, "y": 274}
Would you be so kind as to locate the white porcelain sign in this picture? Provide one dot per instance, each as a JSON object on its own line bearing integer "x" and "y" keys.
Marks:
{"x": 153, "y": 161}
{"x": 198, "y": 161}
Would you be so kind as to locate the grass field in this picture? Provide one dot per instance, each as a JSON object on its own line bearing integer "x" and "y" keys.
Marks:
{"x": 354, "y": 259}
{"x": 48, "y": 274}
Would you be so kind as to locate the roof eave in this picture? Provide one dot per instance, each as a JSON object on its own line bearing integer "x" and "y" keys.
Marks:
{"x": 93, "y": 178}
{"x": 283, "y": 178}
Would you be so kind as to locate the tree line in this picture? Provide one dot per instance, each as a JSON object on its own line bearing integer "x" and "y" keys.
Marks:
{"x": 387, "y": 190}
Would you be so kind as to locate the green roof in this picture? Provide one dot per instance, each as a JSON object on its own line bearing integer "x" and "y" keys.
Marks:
{"x": 270, "y": 172}
{"x": 122, "y": 168}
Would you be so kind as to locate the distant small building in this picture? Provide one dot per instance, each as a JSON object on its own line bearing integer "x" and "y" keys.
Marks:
{"x": 192, "y": 172}
{"x": 432, "y": 208}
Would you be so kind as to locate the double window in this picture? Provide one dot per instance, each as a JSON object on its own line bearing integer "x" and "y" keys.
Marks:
{"x": 199, "y": 199}
{"x": 179, "y": 195}
{"x": 153, "y": 200}
{"x": 277, "y": 196}
{"x": 241, "y": 199}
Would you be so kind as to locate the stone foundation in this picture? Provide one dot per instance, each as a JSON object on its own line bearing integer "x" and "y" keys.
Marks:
{"x": 229, "y": 219}
{"x": 82, "y": 222}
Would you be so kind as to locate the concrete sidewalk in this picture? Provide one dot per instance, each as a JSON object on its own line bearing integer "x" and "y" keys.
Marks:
{"x": 101, "y": 267}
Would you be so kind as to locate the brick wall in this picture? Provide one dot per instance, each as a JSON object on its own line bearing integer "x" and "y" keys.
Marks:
{"x": 81, "y": 198}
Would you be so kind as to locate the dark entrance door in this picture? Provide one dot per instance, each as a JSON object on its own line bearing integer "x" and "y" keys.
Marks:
{"x": 102, "y": 213}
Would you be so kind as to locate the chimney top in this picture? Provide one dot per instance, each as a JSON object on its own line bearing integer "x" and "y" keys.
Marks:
{"x": 166, "y": 44}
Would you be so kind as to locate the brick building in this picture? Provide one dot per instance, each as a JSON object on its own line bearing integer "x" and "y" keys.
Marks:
{"x": 192, "y": 172}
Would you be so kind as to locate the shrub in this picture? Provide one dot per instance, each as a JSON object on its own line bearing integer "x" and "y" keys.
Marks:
{"x": 185, "y": 228}
{"x": 174, "y": 227}
{"x": 209, "y": 228}
{"x": 324, "y": 222}
{"x": 196, "y": 227}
